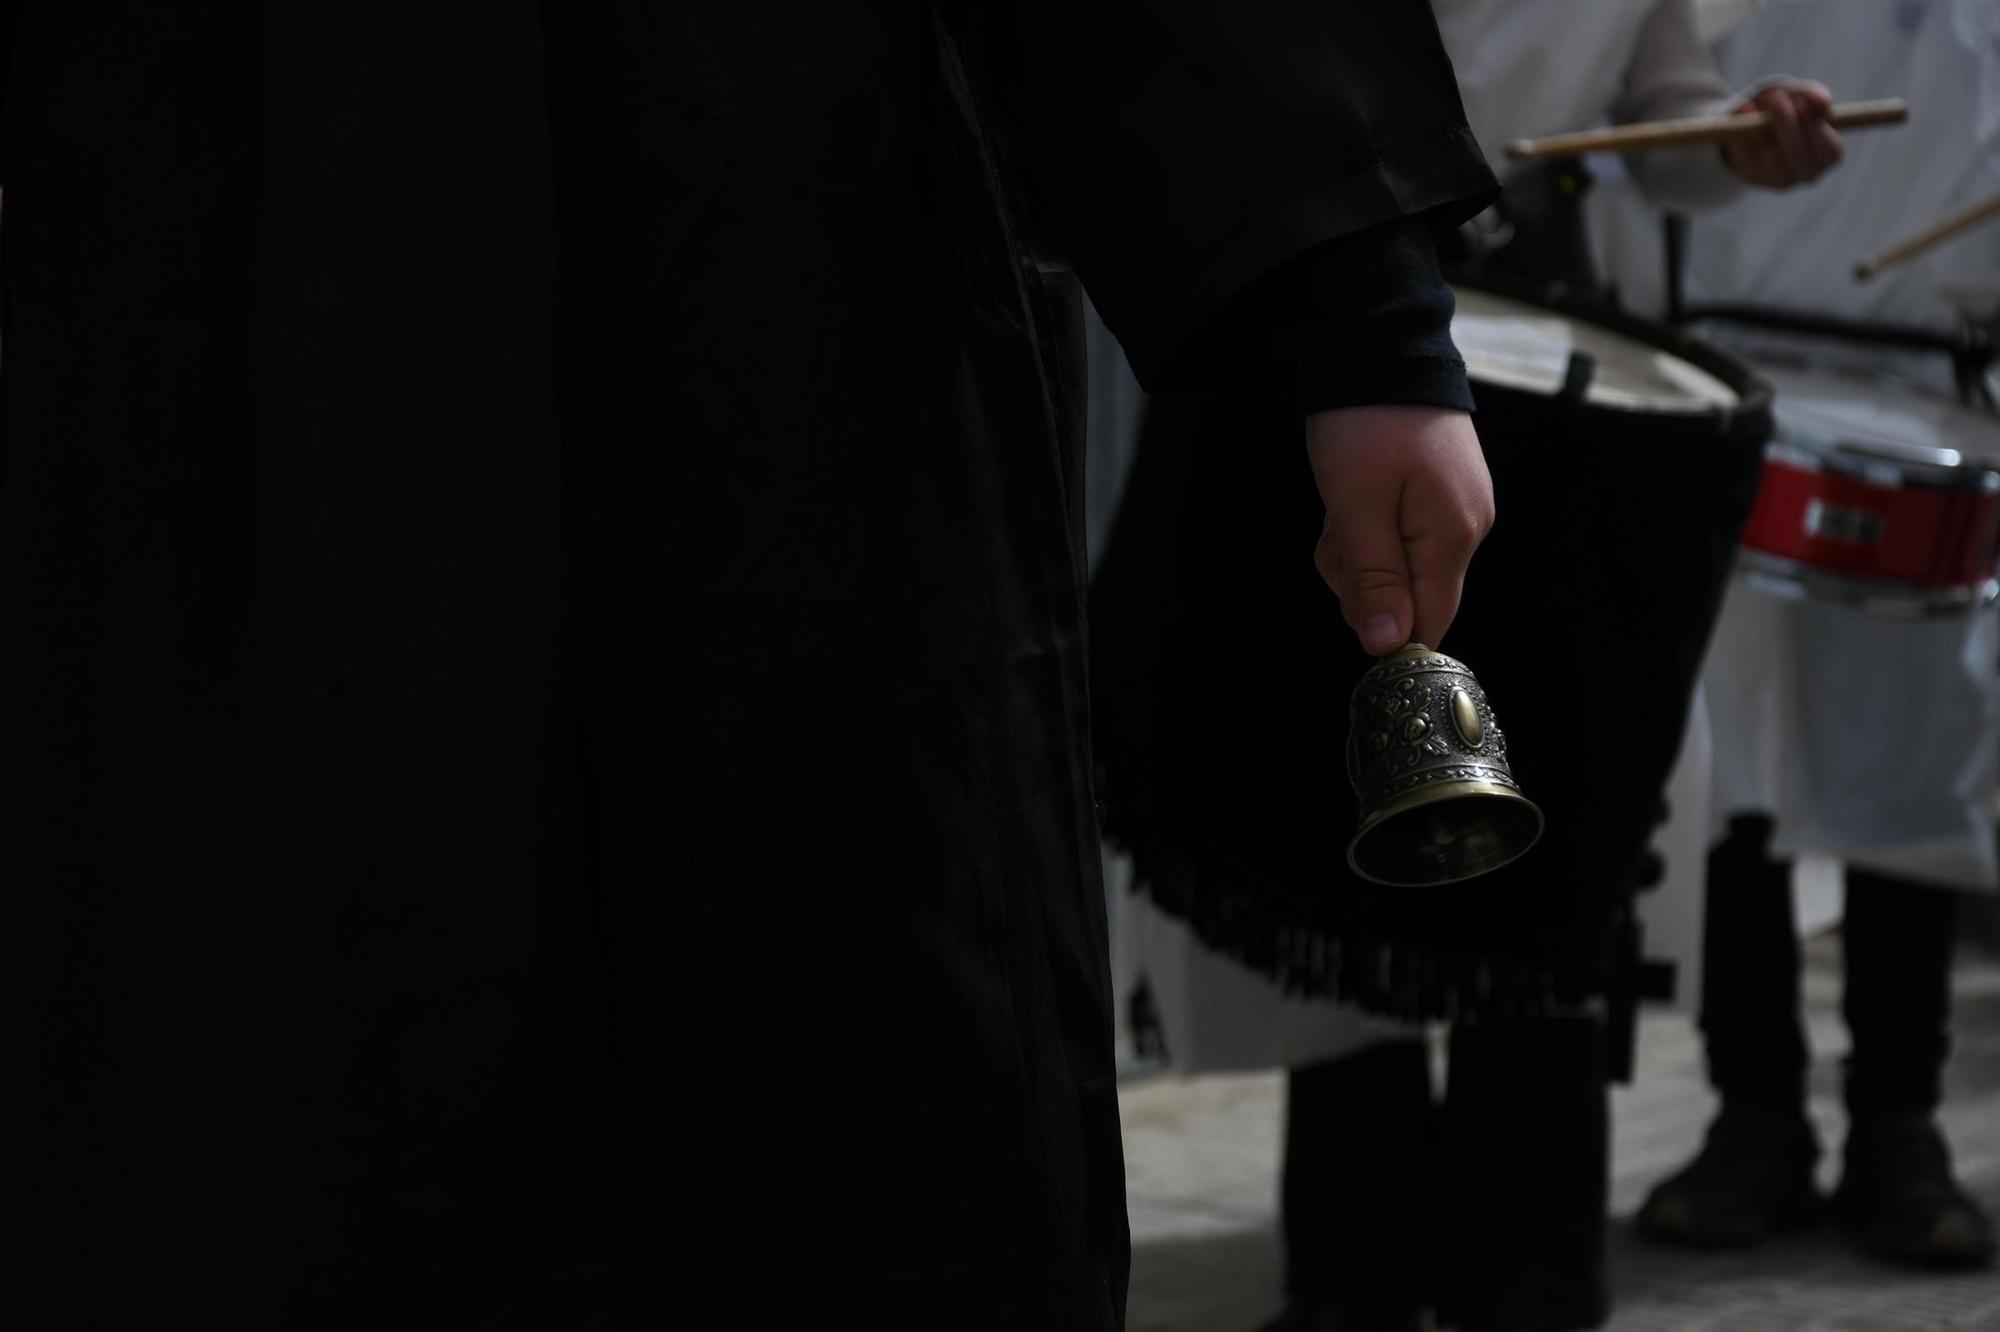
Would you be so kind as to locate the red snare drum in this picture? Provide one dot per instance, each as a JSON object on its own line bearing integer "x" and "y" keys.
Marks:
{"x": 1876, "y": 495}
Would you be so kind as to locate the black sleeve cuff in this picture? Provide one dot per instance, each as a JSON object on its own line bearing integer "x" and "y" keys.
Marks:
{"x": 1367, "y": 320}
{"x": 1438, "y": 180}
{"x": 1413, "y": 379}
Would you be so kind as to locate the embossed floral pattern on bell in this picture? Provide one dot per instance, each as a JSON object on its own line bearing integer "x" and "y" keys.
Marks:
{"x": 1428, "y": 760}
{"x": 1415, "y": 715}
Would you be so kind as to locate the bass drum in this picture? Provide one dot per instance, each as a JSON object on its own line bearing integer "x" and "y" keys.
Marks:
{"x": 1625, "y": 457}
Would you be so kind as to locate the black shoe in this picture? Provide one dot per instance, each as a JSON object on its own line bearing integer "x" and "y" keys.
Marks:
{"x": 1753, "y": 1178}
{"x": 1897, "y": 1198}
{"x": 1335, "y": 1318}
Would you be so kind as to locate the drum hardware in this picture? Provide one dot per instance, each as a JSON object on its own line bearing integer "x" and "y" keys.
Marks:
{"x": 1534, "y": 232}
{"x": 1970, "y": 347}
{"x": 1439, "y": 803}
{"x": 1582, "y": 368}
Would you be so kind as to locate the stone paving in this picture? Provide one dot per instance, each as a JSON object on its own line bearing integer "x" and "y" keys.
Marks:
{"x": 1202, "y": 1157}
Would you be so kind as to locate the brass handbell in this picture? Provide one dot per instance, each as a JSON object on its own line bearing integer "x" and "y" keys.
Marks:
{"x": 1438, "y": 801}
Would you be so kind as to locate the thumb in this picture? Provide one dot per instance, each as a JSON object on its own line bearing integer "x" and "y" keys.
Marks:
{"x": 1370, "y": 573}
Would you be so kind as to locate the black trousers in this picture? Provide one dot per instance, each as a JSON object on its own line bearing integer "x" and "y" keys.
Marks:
{"x": 1488, "y": 1207}
{"x": 1897, "y": 937}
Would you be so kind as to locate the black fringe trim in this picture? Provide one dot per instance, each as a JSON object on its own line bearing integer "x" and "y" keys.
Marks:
{"x": 1234, "y": 910}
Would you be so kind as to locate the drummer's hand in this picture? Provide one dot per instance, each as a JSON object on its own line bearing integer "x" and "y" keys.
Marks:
{"x": 1407, "y": 501}
{"x": 1801, "y": 144}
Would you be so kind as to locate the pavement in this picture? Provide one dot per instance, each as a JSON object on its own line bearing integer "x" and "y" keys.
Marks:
{"x": 1202, "y": 1162}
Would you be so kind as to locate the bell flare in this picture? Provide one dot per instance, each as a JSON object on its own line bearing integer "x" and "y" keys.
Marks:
{"x": 1448, "y": 834}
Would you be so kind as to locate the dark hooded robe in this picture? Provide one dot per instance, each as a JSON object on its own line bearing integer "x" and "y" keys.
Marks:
{"x": 543, "y": 766}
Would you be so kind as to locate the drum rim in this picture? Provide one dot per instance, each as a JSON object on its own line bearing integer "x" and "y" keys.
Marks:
{"x": 1972, "y": 471}
{"x": 1856, "y": 458}
{"x": 1793, "y": 580}
{"x": 1754, "y": 392}
{"x": 1787, "y": 357}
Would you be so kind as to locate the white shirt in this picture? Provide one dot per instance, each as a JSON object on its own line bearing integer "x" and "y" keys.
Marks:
{"x": 1796, "y": 250}
{"x": 1871, "y": 739}
{"x": 1529, "y": 68}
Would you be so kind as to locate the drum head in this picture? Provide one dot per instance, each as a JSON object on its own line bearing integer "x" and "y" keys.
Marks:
{"x": 1830, "y": 414}
{"x": 1519, "y": 344}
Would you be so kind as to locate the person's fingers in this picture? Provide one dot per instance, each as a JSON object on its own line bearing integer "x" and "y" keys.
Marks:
{"x": 1814, "y": 103}
{"x": 1371, "y": 574}
{"x": 1827, "y": 145}
{"x": 1816, "y": 97}
{"x": 1777, "y": 171}
{"x": 1755, "y": 160}
{"x": 1437, "y": 582}
{"x": 1789, "y": 135}
{"x": 1440, "y": 538}
{"x": 1326, "y": 557}
{"x": 1402, "y": 486}
{"x": 1768, "y": 165}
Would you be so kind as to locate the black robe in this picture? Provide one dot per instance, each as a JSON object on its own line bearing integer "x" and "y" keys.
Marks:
{"x": 543, "y": 766}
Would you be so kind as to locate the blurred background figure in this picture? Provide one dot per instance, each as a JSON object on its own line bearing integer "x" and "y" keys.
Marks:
{"x": 1854, "y": 712}
{"x": 1529, "y": 68}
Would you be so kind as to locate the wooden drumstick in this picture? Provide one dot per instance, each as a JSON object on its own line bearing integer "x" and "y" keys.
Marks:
{"x": 1698, "y": 129}
{"x": 1935, "y": 234}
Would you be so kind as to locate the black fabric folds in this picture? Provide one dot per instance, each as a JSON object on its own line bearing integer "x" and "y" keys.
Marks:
{"x": 284, "y": 684}
{"x": 543, "y": 762}
{"x": 1220, "y": 141}
{"x": 1367, "y": 319}
{"x": 1149, "y": 139}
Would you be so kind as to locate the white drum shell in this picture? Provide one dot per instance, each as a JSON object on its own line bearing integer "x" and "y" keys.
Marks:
{"x": 1871, "y": 738}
